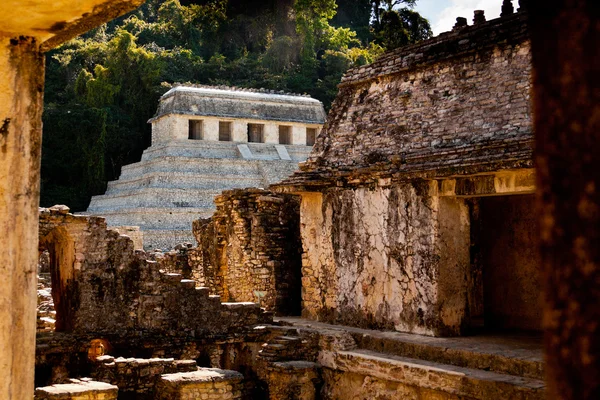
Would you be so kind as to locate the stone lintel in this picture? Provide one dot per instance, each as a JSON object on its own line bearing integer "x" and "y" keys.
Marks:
{"x": 495, "y": 184}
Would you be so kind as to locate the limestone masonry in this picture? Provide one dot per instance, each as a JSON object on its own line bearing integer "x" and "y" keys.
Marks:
{"x": 205, "y": 140}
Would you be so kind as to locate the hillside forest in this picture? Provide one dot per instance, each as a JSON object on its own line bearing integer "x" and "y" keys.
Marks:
{"x": 102, "y": 87}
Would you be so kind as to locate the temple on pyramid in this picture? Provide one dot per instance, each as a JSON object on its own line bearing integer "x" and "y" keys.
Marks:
{"x": 206, "y": 140}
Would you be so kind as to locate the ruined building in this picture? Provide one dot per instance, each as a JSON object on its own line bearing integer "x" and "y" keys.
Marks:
{"x": 303, "y": 358}
{"x": 205, "y": 140}
{"x": 415, "y": 200}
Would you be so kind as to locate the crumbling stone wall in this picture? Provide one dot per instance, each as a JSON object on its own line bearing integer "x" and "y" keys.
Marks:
{"x": 250, "y": 249}
{"x": 137, "y": 377}
{"x": 102, "y": 285}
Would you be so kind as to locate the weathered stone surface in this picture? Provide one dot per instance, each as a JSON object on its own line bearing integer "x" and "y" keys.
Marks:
{"x": 26, "y": 30}
{"x": 101, "y": 285}
{"x": 366, "y": 264}
{"x": 388, "y": 193}
{"x": 250, "y": 249}
{"x": 137, "y": 377}
{"x": 83, "y": 389}
{"x": 245, "y": 104}
{"x": 206, "y": 383}
{"x": 455, "y": 104}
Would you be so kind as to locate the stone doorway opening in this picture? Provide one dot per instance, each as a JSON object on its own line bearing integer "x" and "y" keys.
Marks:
{"x": 505, "y": 290}
{"x": 255, "y": 133}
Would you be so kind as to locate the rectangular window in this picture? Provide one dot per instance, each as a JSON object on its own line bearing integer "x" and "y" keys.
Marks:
{"x": 255, "y": 133}
{"x": 285, "y": 134}
{"x": 196, "y": 131}
{"x": 311, "y": 135}
{"x": 224, "y": 131}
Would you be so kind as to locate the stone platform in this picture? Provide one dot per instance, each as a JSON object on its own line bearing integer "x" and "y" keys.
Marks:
{"x": 363, "y": 363}
{"x": 175, "y": 183}
{"x": 84, "y": 389}
{"x": 205, "y": 383}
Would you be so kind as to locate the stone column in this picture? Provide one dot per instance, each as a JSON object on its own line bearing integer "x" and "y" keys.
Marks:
{"x": 271, "y": 133}
{"x": 21, "y": 100}
{"x": 239, "y": 131}
{"x": 211, "y": 129}
{"x": 565, "y": 37}
{"x": 299, "y": 135}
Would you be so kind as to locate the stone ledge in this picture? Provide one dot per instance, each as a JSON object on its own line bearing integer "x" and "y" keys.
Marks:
{"x": 204, "y": 375}
{"x": 476, "y": 384}
{"x": 79, "y": 389}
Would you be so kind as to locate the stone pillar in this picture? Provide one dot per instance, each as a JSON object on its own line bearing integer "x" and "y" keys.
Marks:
{"x": 239, "y": 131}
{"x": 453, "y": 247}
{"x": 566, "y": 92}
{"x": 211, "y": 129}
{"x": 181, "y": 127}
{"x": 271, "y": 133}
{"x": 299, "y": 135}
{"x": 21, "y": 100}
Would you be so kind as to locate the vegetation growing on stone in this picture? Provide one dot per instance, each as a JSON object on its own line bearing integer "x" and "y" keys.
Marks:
{"x": 102, "y": 88}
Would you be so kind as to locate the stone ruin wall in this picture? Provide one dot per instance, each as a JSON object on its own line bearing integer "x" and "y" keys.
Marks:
{"x": 101, "y": 285}
{"x": 251, "y": 245}
{"x": 384, "y": 244}
{"x": 374, "y": 259}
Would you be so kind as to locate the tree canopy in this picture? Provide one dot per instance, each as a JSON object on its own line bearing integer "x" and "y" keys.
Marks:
{"x": 102, "y": 87}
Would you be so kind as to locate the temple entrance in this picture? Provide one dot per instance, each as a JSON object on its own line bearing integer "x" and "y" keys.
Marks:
{"x": 506, "y": 290}
{"x": 255, "y": 133}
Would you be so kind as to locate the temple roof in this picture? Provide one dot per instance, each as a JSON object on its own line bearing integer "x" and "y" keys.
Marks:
{"x": 240, "y": 103}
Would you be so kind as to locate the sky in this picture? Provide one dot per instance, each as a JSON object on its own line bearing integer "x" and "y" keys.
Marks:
{"x": 442, "y": 13}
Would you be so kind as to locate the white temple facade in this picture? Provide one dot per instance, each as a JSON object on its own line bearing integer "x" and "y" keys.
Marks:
{"x": 206, "y": 140}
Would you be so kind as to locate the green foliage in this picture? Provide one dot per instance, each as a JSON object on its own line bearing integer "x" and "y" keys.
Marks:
{"x": 102, "y": 88}
{"x": 73, "y": 156}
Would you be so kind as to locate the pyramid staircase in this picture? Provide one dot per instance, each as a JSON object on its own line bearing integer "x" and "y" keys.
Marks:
{"x": 176, "y": 182}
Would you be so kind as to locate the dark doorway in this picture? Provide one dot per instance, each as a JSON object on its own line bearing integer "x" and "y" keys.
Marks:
{"x": 255, "y": 133}
{"x": 506, "y": 264}
{"x": 195, "y": 130}
{"x": 224, "y": 131}
{"x": 285, "y": 134}
{"x": 311, "y": 136}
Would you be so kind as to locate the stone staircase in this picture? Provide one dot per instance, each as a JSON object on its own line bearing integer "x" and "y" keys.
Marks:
{"x": 176, "y": 182}
{"x": 488, "y": 367}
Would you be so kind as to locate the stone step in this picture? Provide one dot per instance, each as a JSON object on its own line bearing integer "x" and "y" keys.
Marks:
{"x": 155, "y": 218}
{"x": 513, "y": 354}
{"x": 154, "y": 197}
{"x": 444, "y": 378}
{"x": 192, "y": 148}
{"x": 196, "y": 165}
{"x": 185, "y": 180}
{"x": 213, "y": 149}
{"x": 286, "y": 340}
